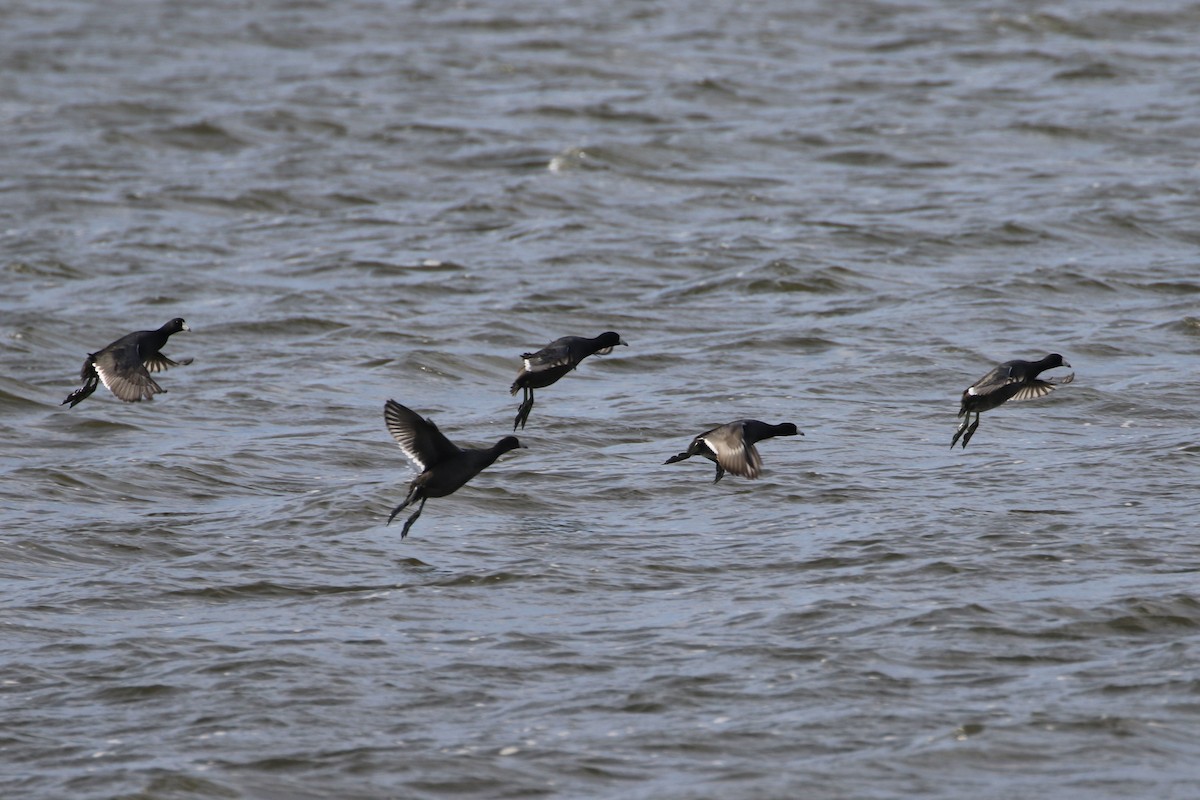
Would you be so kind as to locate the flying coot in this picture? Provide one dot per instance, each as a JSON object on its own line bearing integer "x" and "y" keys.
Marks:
{"x": 1012, "y": 380}
{"x": 731, "y": 446}
{"x": 444, "y": 466}
{"x": 556, "y": 359}
{"x": 125, "y": 365}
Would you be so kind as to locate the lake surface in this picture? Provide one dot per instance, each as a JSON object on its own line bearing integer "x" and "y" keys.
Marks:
{"x": 833, "y": 214}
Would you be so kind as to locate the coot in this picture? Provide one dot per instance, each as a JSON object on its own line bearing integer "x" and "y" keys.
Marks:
{"x": 125, "y": 365}
{"x": 444, "y": 466}
{"x": 731, "y": 446}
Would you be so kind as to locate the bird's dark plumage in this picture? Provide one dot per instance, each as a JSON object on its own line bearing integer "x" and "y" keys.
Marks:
{"x": 125, "y": 365}
{"x": 1012, "y": 380}
{"x": 444, "y": 466}
{"x": 731, "y": 446}
{"x": 556, "y": 359}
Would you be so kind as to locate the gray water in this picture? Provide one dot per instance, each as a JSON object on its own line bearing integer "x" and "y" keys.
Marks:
{"x": 834, "y": 214}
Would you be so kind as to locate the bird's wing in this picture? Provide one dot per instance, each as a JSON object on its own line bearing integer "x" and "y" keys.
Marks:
{"x": 418, "y": 437}
{"x": 733, "y": 454}
{"x": 1033, "y": 390}
{"x": 555, "y": 354}
{"x": 158, "y": 362}
{"x": 124, "y": 375}
{"x": 1001, "y": 376}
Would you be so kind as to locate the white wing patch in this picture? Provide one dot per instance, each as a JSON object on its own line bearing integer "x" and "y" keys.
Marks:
{"x": 733, "y": 454}
{"x": 105, "y": 377}
{"x": 131, "y": 391}
{"x": 545, "y": 360}
{"x": 721, "y": 446}
{"x": 412, "y": 456}
{"x": 419, "y": 439}
{"x": 406, "y": 437}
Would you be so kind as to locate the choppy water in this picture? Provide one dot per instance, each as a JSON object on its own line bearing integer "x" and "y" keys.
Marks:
{"x": 837, "y": 214}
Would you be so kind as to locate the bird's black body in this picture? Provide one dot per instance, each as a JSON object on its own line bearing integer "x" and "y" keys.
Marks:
{"x": 731, "y": 446}
{"x": 444, "y": 466}
{"x": 1012, "y": 380}
{"x": 556, "y": 359}
{"x": 125, "y": 365}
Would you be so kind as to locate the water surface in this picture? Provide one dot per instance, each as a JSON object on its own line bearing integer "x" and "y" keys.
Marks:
{"x": 838, "y": 215}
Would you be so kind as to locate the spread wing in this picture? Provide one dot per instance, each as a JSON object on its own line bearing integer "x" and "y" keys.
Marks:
{"x": 1033, "y": 390}
{"x": 733, "y": 454}
{"x": 158, "y": 362}
{"x": 1040, "y": 388}
{"x": 123, "y": 373}
{"x": 418, "y": 437}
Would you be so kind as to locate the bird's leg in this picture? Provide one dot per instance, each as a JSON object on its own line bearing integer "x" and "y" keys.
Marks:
{"x": 526, "y": 407}
{"x": 960, "y": 430}
{"x": 412, "y": 495}
{"x": 413, "y": 518}
{"x": 720, "y": 474}
{"x": 971, "y": 430}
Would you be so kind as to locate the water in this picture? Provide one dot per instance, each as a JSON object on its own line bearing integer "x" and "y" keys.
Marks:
{"x": 838, "y": 215}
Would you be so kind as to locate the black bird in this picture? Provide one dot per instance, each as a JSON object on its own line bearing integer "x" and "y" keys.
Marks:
{"x": 1012, "y": 380}
{"x": 731, "y": 446}
{"x": 125, "y": 365}
{"x": 552, "y": 362}
{"x": 444, "y": 466}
